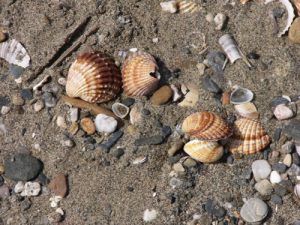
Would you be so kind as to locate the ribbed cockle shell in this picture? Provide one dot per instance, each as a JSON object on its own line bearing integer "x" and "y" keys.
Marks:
{"x": 206, "y": 126}
{"x": 204, "y": 151}
{"x": 140, "y": 74}
{"x": 249, "y": 137}
{"x": 94, "y": 77}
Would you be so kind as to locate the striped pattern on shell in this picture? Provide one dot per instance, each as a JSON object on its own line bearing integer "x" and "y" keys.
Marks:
{"x": 204, "y": 151}
{"x": 250, "y": 137}
{"x": 186, "y": 6}
{"x": 94, "y": 77}
{"x": 140, "y": 74}
{"x": 206, "y": 126}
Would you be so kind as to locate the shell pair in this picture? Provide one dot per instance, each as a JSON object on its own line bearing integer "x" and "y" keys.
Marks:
{"x": 208, "y": 128}
{"x": 95, "y": 78}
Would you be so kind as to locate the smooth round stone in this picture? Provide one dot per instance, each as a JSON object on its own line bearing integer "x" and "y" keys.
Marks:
{"x": 264, "y": 187}
{"x": 23, "y": 167}
{"x": 275, "y": 177}
{"x": 162, "y": 95}
{"x": 26, "y": 94}
{"x": 294, "y": 31}
{"x": 117, "y": 152}
{"x": 254, "y": 210}
{"x": 283, "y": 112}
{"x": 261, "y": 169}
{"x": 296, "y": 158}
{"x": 15, "y": 70}
{"x": 279, "y": 167}
{"x": 19, "y": 187}
{"x": 88, "y": 125}
{"x": 276, "y": 199}
{"x": 288, "y": 160}
{"x": 105, "y": 124}
{"x": 38, "y": 106}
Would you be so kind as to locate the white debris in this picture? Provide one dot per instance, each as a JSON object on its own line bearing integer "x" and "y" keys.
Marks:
{"x": 60, "y": 211}
{"x": 54, "y": 201}
{"x": 105, "y": 124}
{"x": 31, "y": 189}
{"x": 5, "y": 110}
{"x": 19, "y": 187}
{"x": 73, "y": 114}
{"x": 169, "y": 6}
{"x": 150, "y": 215}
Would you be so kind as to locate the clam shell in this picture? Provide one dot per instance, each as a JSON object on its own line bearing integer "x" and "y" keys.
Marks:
{"x": 241, "y": 95}
{"x": 186, "y": 6}
{"x": 93, "y": 77}
{"x": 206, "y": 126}
{"x": 120, "y": 110}
{"x": 13, "y": 52}
{"x": 140, "y": 74}
{"x": 204, "y": 151}
{"x": 249, "y": 137}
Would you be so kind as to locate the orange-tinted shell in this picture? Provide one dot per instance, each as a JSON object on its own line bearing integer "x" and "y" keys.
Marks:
{"x": 297, "y": 5}
{"x": 140, "y": 74}
{"x": 250, "y": 137}
{"x": 206, "y": 126}
{"x": 94, "y": 77}
{"x": 204, "y": 151}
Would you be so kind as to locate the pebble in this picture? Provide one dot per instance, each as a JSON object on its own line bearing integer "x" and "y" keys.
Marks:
{"x": 19, "y": 187}
{"x": 117, "y": 152}
{"x": 16, "y": 71}
{"x": 297, "y": 190}
{"x": 50, "y": 100}
{"x": 54, "y": 218}
{"x": 177, "y": 167}
{"x": 219, "y": 212}
{"x": 288, "y": 160}
{"x": 26, "y": 94}
{"x": 54, "y": 201}
{"x": 264, "y": 187}
{"x": 191, "y": 97}
{"x": 61, "y": 122}
{"x": 4, "y": 191}
{"x": 294, "y": 31}
{"x": 277, "y": 134}
{"x": 1, "y": 180}
{"x": 201, "y": 68}
{"x": 279, "y": 167}
{"x": 3, "y": 35}
{"x": 296, "y": 158}
{"x": 4, "y": 101}
{"x": 5, "y": 110}
{"x": 31, "y": 189}
{"x": 73, "y": 128}
{"x": 209, "y": 17}
{"x": 162, "y": 95}
{"x": 59, "y": 185}
{"x": 23, "y": 167}
{"x": 276, "y": 199}
{"x": 287, "y": 148}
{"x": 128, "y": 101}
{"x": 105, "y": 124}
{"x": 68, "y": 143}
{"x": 294, "y": 170}
{"x": 169, "y": 6}
{"x": 62, "y": 81}
{"x": 88, "y": 125}
{"x": 175, "y": 147}
{"x": 210, "y": 85}
{"x": 261, "y": 169}
{"x": 282, "y": 112}
{"x": 254, "y": 210}
{"x": 38, "y": 106}
{"x": 253, "y": 55}
{"x": 230, "y": 159}
{"x": 293, "y": 129}
{"x": 189, "y": 162}
{"x": 176, "y": 183}
{"x": 152, "y": 140}
{"x": 106, "y": 146}
{"x": 74, "y": 112}
{"x": 25, "y": 204}
{"x": 220, "y": 20}
{"x": 17, "y": 100}
{"x": 275, "y": 177}
{"x": 150, "y": 215}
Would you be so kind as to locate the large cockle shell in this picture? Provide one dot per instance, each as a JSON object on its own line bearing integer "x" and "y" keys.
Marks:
{"x": 140, "y": 74}
{"x": 204, "y": 151}
{"x": 206, "y": 126}
{"x": 249, "y": 137}
{"x": 94, "y": 77}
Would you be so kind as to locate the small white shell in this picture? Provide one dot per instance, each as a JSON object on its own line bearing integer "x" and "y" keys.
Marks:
{"x": 230, "y": 48}
{"x": 291, "y": 15}
{"x": 120, "y": 110}
{"x": 139, "y": 160}
{"x": 241, "y": 95}
{"x": 13, "y": 52}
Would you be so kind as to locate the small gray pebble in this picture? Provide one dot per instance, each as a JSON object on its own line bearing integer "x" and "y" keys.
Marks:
{"x": 219, "y": 212}
{"x": 230, "y": 159}
{"x": 276, "y": 199}
{"x": 4, "y": 101}
{"x": 279, "y": 167}
{"x": 117, "y": 152}
{"x": 26, "y": 204}
{"x": 26, "y": 94}
{"x": 128, "y": 101}
{"x": 1, "y": 180}
{"x": 277, "y": 134}
{"x": 296, "y": 158}
{"x": 15, "y": 70}
{"x": 50, "y": 100}
{"x": 146, "y": 112}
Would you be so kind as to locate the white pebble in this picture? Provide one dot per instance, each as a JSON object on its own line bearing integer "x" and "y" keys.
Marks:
{"x": 209, "y": 17}
{"x": 73, "y": 114}
{"x": 38, "y": 106}
{"x": 19, "y": 187}
{"x": 62, "y": 81}
{"x": 149, "y": 215}
{"x": 155, "y": 40}
{"x": 220, "y": 20}
{"x": 31, "y": 189}
{"x": 54, "y": 201}
{"x": 61, "y": 122}
{"x": 275, "y": 177}
{"x": 201, "y": 68}
{"x": 105, "y": 124}
{"x": 169, "y": 6}
{"x": 261, "y": 169}
{"x": 5, "y": 110}
{"x": 60, "y": 211}
{"x": 282, "y": 112}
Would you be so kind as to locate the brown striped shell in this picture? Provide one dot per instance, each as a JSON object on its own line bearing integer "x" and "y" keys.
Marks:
{"x": 140, "y": 74}
{"x": 204, "y": 151}
{"x": 187, "y": 6}
{"x": 94, "y": 77}
{"x": 206, "y": 126}
{"x": 249, "y": 137}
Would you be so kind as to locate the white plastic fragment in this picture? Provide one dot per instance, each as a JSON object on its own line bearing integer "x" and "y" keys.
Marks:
{"x": 149, "y": 215}
{"x": 13, "y": 52}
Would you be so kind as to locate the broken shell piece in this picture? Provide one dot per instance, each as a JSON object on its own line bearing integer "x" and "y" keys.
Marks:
{"x": 297, "y": 5}
{"x": 139, "y": 160}
{"x": 291, "y": 15}
{"x": 186, "y": 6}
{"x": 120, "y": 110}
{"x": 244, "y": 1}
{"x": 191, "y": 97}
{"x": 176, "y": 93}
{"x": 297, "y": 190}
{"x": 230, "y": 48}
{"x": 13, "y": 52}
{"x": 204, "y": 151}
{"x": 282, "y": 112}
{"x": 247, "y": 110}
{"x": 170, "y": 6}
{"x": 241, "y": 95}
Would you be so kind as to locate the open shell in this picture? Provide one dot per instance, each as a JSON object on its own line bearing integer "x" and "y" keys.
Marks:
{"x": 94, "y": 77}
{"x": 120, "y": 110}
{"x": 13, "y": 52}
{"x": 206, "y": 126}
{"x": 204, "y": 151}
{"x": 249, "y": 137}
{"x": 140, "y": 74}
{"x": 241, "y": 95}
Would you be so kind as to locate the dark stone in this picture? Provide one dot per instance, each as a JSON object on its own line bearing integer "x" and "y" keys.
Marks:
{"x": 230, "y": 159}
{"x": 277, "y": 134}
{"x": 280, "y": 190}
{"x": 279, "y": 167}
{"x": 278, "y": 101}
{"x": 118, "y": 152}
{"x": 152, "y": 140}
{"x": 219, "y": 212}
{"x": 145, "y": 112}
{"x": 4, "y": 101}
{"x": 216, "y": 61}
{"x": 50, "y": 99}
{"x": 130, "y": 189}
{"x": 287, "y": 184}
{"x": 210, "y": 85}
{"x": 209, "y": 206}
{"x": 166, "y": 131}
{"x": 128, "y": 101}
{"x": 246, "y": 174}
{"x": 43, "y": 179}
{"x": 296, "y": 158}
{"x": 1, "y": 180}
{"x": 106, "y": 146}
{"x": 26, "y": 204}
{"x": 15, "y": 70}
{"x": 22, "y": 167}
{"x": 266, "y": 153}
{"x": 253, "y": 55}
{"x": 276, "y": 199}
{"x": 293, "y": 129}
{"x": 26, "y": 94}
{"x": 174, "y": 159}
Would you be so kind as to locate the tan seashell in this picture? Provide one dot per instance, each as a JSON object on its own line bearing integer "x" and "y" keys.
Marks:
{"x": 204, "y": 151}
{"x": 297, "y": 5}
{"x": 140, "y": 74}
{"x": 186, "y": 6}
{"x": 206, "y": 126}
{"x": 94, "y": 77}
{"x": 250, "y": 137}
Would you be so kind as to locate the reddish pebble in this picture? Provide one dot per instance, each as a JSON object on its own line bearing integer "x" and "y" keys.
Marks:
{"x": 226, "y": 98}
{"x": 59, "y": 185}
{"x": 88, "y": 126}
